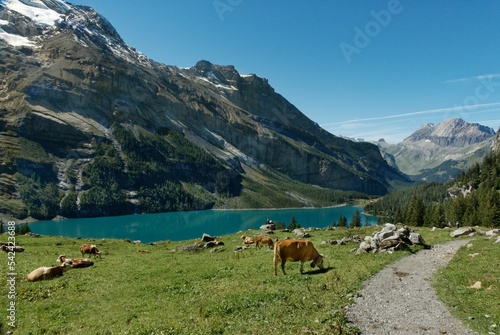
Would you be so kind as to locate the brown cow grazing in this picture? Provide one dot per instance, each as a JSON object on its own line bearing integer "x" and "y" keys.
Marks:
{"x": 295, "y": 251}
{"x": 247, "y": 239}
{"x": 90, "y": 249}
{"x": 44, "y": 272}
{"x": 76, "y": 262}
{"x": 263, "y": 240}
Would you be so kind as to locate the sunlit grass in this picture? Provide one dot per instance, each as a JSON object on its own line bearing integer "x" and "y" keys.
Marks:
{"x": 478, "y": 308}
{"x": 172, "y": 292}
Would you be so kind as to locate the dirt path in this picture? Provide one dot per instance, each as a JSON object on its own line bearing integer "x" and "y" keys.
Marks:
{"x": 400, "y": 299}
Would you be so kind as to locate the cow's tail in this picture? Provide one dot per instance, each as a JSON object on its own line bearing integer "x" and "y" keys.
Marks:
{"x": 277, "y": 257}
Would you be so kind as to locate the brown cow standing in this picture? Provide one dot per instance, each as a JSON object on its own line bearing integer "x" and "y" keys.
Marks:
{"x": 263, "y": 240}
{"x": 295, "y": 251}
{"x": 90, "y": 249}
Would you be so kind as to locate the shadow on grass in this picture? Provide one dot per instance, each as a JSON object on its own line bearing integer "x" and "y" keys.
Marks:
{"x": 318, "y": 271}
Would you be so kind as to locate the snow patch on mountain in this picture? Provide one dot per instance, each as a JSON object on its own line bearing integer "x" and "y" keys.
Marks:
{"x": 217, "y": 84}
{"x": 15, "y": 40}
{"x": 56, "y": 15}
{"x": 37, "y": 11}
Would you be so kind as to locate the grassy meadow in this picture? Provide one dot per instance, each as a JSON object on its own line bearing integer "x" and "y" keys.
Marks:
{"x": 168, "y": 291}
{"x": 479, "y": 308}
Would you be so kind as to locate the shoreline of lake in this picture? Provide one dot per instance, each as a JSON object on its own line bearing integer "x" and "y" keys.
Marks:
{"x": 276, "y": 209}
{"x": 175, "y": 226}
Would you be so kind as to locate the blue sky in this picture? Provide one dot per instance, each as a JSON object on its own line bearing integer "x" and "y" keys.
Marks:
{"x": 364, "y": 69}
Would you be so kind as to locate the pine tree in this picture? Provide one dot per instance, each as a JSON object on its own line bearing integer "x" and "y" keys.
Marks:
{"x": 438, "y": 216}
{"x": 415, "y": 212}
{"x": 356, "y": 219}
{"x": 490, "y": 209}
{"x": 342, "y": 221}
{"x": 293, "y": 224}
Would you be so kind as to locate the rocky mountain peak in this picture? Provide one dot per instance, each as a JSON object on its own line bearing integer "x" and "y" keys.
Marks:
{"x": 451, "y": 133}
{"x": 215, "y": 74}
{"x": 438, "y": 152}
{"x": 29, "y": 23}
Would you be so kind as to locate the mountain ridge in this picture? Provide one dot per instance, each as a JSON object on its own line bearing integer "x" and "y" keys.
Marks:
{"x": 85, "y": 112}
{"x": 439, "y": 152}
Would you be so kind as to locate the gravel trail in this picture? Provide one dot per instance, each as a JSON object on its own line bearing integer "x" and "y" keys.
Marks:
{"x": 400, "y": 299}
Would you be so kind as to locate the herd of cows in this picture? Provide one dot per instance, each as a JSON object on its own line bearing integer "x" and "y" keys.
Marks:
{"x": 285, "y": 250}
{"x": 46, "y": 272}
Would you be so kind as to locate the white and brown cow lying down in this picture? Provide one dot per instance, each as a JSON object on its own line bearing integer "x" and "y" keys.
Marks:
{"x": 296, "y": 251}
{"x": 247, "y": 239}
{"x": 76, "y": 262}
{"x": 90, "y": 249}
{"x": 44, "y": 272}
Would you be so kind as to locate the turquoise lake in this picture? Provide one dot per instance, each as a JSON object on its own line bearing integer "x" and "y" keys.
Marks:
{"x": 179, "y": 226}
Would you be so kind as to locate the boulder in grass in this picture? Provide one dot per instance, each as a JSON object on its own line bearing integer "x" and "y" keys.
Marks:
{"x": 464, "y": 231}
{"x": 389, "y": 239}
{"x": 207, "y": 238}
{"x": 389, "y": 227}
{"x": 493, "y": 232}
{"x": 416, "y": 238}
{"x": 389, "y": 243}
{"x": 268, "y": 226}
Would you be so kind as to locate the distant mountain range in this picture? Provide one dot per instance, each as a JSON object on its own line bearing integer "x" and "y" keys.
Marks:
{"x": 90, "y": 126}
{"x": 439, "y": 152}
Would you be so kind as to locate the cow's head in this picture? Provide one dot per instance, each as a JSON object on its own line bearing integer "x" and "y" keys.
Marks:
{"x": 68, "y": 264}
{"x": 318, "y": 261}
{"x": 61, "y": 259}
{"x": 95, "y": 251}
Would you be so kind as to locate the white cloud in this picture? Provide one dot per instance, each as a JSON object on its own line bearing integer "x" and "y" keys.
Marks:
{"x": 445, "y": 111}
{"x": 490, "y": 76}
{"x": 395, "y": 128}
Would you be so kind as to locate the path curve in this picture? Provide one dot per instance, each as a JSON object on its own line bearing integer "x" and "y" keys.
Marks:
{"x": 400, "y": 299}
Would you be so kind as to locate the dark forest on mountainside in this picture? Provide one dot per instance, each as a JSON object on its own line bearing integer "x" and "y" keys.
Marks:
{"x": 471, "y": 199}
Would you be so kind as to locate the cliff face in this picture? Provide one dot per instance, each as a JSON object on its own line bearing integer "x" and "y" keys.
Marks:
{"x": 74, "y": 94}
{"x": 496, "y": 146}
{"x": 439, "y": 152}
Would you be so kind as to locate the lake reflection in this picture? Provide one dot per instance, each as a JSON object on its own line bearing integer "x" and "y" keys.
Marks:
{"x": 178, "y": 226}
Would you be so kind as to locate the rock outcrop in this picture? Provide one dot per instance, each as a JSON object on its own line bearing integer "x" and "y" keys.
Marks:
{"x": 389, "y": 240}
